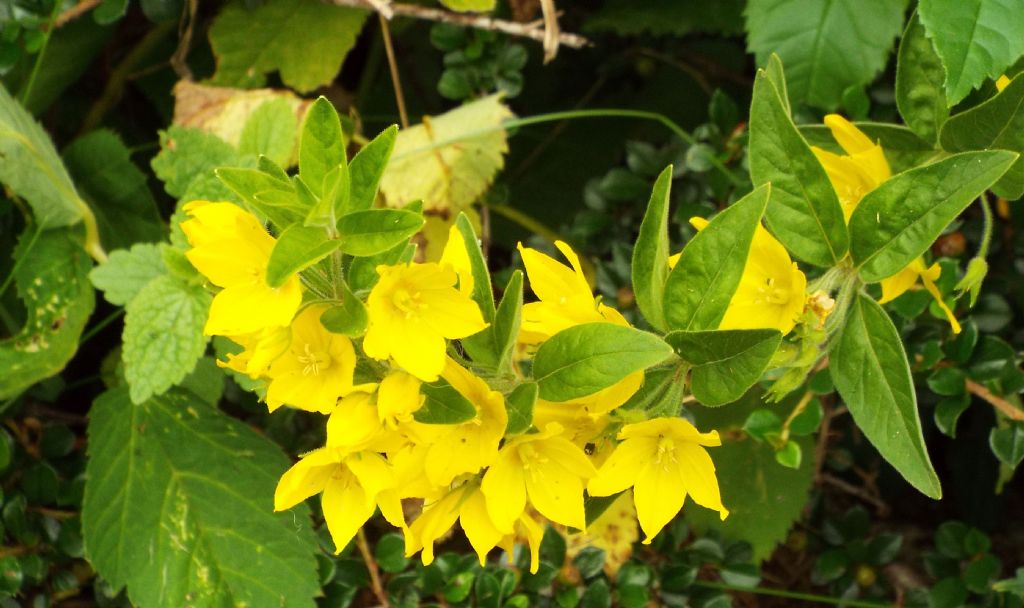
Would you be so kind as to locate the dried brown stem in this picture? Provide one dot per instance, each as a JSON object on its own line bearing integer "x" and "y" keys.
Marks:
{"x": 396, "y": 80}
{"x": 371, "y": 565}
{"x": 849, "y": 488}
{"x": 525, "y": 30}
{"x": 1004, "y": 406}
{"x": 75, "y": 12}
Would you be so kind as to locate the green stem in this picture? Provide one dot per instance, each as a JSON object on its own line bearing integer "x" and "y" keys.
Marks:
{"x": 42, "y": 52}
{"x": 987, "y": 227}
{"x": 573, "y": 114}
{"x": 794, "y": 595}
{"x": 95, "y": 329}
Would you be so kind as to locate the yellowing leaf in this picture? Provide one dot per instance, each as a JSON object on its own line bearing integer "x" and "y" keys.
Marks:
{"x": 448, "y": 161}
{"x": 224, "y": 111}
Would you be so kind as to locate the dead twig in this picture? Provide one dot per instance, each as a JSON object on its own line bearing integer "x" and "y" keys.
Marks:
{"x": 861, "y": 493}
{"x": 371, "y": 567}
{"x": 396, "y": 81}
{"x": 1004, "y": 406}
{"x": 532, "y": 31}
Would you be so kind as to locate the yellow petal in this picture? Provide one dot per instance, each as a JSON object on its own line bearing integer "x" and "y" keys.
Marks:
{"x": 373, "y": 473}
{"x": 658, "y": 495}
{"x": 849, "y": 137}
{"x": 398, "y": 397}
{"x": 451, "y": 314}
{"x": 1002, "y": 82}
{"x": 353, "y": 422}
{"x": 477, "y": 525}
{"x": 620, "y": 470}
{"x": 229, "y": 262}
{"x": 557, "y": 494}
{"x": 346, "y": 509}
{"x": 552, "y": 280}
{"x": 534, "y": 534}
{"x": 436, "y": 519}
{"x": 245, "y": 309}
{"x": 456, "y": 257}
{"x": 929, "y": 284}
{"x": 698, "y": 476}
{"x": 307, "y": 477}
{"x": 567, "y": 455}
{"x": 504, "y": 486}
{"x": 898, "y": 284}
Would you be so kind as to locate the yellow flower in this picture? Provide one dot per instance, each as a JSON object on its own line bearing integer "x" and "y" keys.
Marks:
{"x": 456, "y": 257}
{"x": 663, "y": 460}
{"x": 1002, "y": 82}
{"x": 413, "y": 308}
{"x": 468, "y": 505}
{"x": 860, "y": 171}
{"x": 315, "y": 370}
{"x": 548, "y": 469}
{"x": 467, "y": 447}
{"x": 231, "y": 249}
{"x": 564, "y": 294}
{"x": 353, "y": 486}
{"x": 260, "y": 350}
{"x": 894, "y": 286}
{"x": 771, "y": 293}
{"x": 398, "y": 398}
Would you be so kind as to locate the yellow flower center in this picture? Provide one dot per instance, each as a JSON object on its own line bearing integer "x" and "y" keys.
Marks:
{"x": 771, "y": 293}
{"x": 666, "y": 454}
{"x": 533, "y": 461}
{"x": 408, "y": 302}
{"x": 314, "y": 361}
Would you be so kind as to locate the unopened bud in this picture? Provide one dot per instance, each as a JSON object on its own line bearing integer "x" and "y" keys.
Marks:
{"x": 977, "y": 268}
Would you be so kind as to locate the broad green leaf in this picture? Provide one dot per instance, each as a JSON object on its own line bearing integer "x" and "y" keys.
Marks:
{"x": 585, "y": 359}
{"x": 920, "y": 95}
{"x": 272, "y": 198}
{"x": 449, "y": 160}
{"x": 321, "y": 146}
{"x": 306, "y": 41}
{"x": 519, "y": 404}
{"x": 1008, "y": 444}
{"x": 976, "y": 39}
{"x": 297, "y": 249}
{"x": 50, "y": 272}
{"x": 190, "y": 155}
{"x": 206, "y": 381}
{"x": 127, "y": 271}
{"x": 477, "y": 6}
{"x": 481, "y": 347}
{"x": 764, "y": 498}
{"x": 32, "y": 169}
{"x": 700, "y": 286}
{"x": 869, "y": 369}
{"x": 179, "y": 508}
{"x": 116, "y": 190}
{"x": 998, "y": 123}
{"x": 163, "y": 335}
{"x": 725, "y": 363}
{"x": 367, "y": 168}
{"x": 662, "y": 392}
{"x": 900, "y": 219}
{"x": 828, "y": 45}
{"x": 650, "y": 255}
{"x": 804, "y": 211}
{"x": 110, "y": 11}
{"x": 270, "y": 131}
{"x": 365, "y": 233}
{"x": 444, "y": 405}
{"x": 902, "y": 148}
{"x": 362, "y": 272}
{"x": 349, "y": 318}
{"x": 507, "y": 320}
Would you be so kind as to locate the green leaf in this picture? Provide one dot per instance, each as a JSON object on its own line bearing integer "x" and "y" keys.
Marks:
{"x": 997, "y": 123}
{"x": 481, "y": 347}
{"x": 110, "y": 11}
{"x": 298, "y": 248}
{"x": 322, "y": 145}
{"x": 870, "y": 371}
{"x": 178, "y": 507}
{"x": 725, "y": 363}
{"x": 349, "y": 318}
{"x": 186, "y": 162}
{"x": 976, "y": 39}
{"x": 367, "y": 168}
{"x": 585, "y": 359}
{"x": 899, "y": 220}
{"x": 520, "y": 408}
{"x": 274, "y": 199}
{"x": 365, "y": 233}
{"x": 306, "y": 41}
{"x": 507, "y": 320}
{"x": 452, "y": 163}
{"x": 903, "y": 149}
{"x": 1008, "y": 444}
{"x": 700, "y": 286}
{"x": 804, "y": 211}
{"x": 444, "y": 405}
{"x": 829, "y": 45}
{"x": 650, "y": 255}
{"x": 270, "y": 131}
{"x": 790, "y": 455}
{"x": 920, "y": 95}
{"x": 50, "y": 271}
{"x": 764, "y": 498}
{"x": 127, "y": 271}
{"x": 662, "y": 392}
{"x": 163, "y": 335}
{"x": 117, "y": 192}
{"x": 362, "y": 272}
{"x": 763, "y": 425}
{"x": 33, "y": 170}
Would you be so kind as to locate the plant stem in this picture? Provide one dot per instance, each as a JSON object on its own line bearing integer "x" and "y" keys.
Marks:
{"x": 95, "y": 329}
{"x": 396, "y": 80}
{"x": 794, "y": 595}
{"x": 371, "y": 566}
{"x": 42, "y": 53}
{"x": 987, "y": 227}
